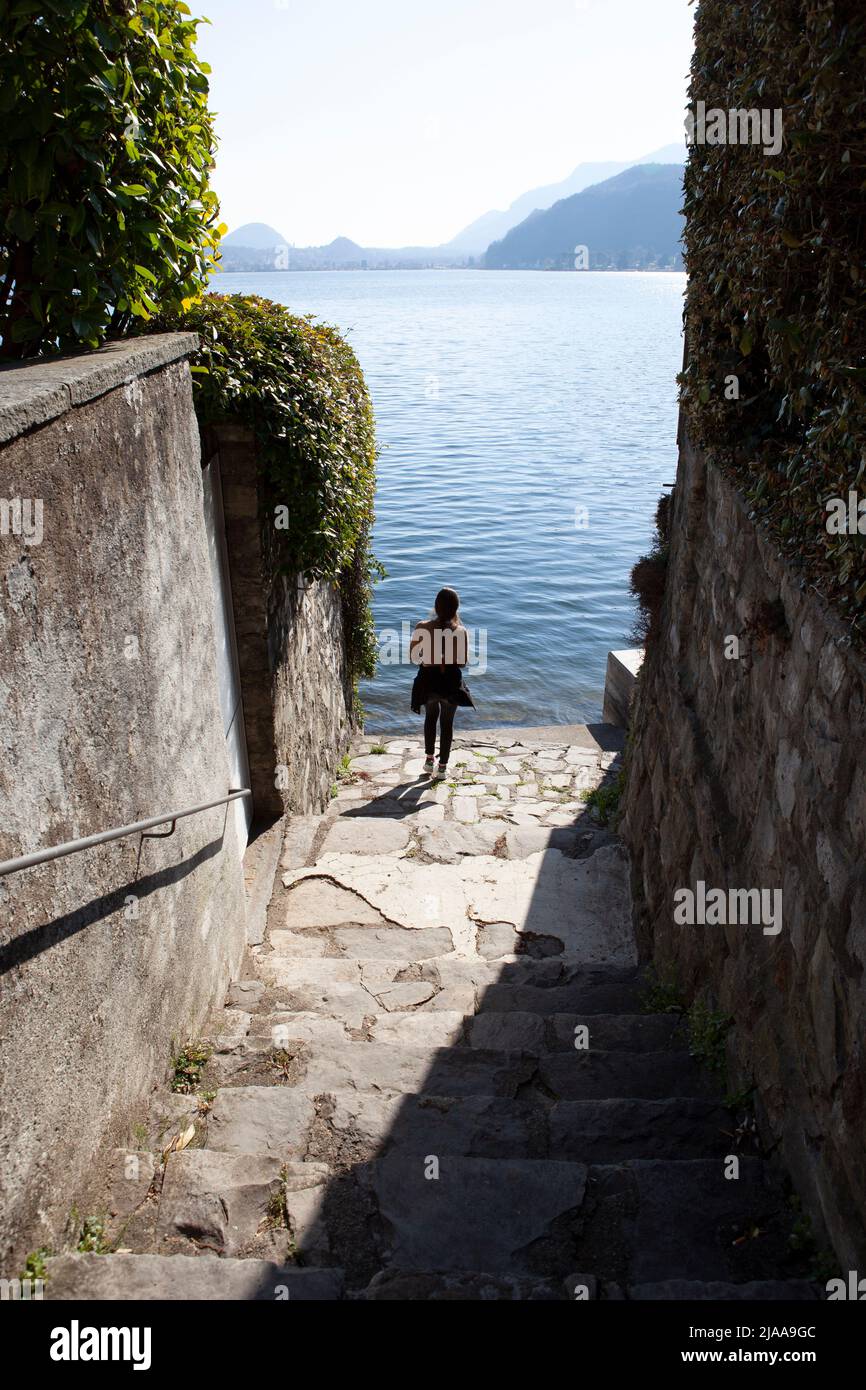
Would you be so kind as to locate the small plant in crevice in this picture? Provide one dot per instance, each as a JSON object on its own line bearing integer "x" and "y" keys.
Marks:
{"x": 34, "y": 1265}
{"x": 802, "y": 1241}
{"x": 604, "y": 800}
{"x": 662, "y": 993}
{"x": 741, "y": 1100}
{"x": 92, "y": 1239}
{"x": 139, "y": 1135}
{"x": 344, "y": 770}
{"x": 744, "y": 1135}
{"x": 187, "y": 1066}
{"x": 277, "y": 1208}
{"x": 707, "y": 1032}
{"x": 277, "y": 1219}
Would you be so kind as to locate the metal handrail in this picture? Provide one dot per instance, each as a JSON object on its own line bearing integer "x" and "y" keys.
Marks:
{"x": 44, "y": 856}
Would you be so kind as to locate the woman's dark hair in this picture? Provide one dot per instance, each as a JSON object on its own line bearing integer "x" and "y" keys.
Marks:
{"x": 446, "y": 605}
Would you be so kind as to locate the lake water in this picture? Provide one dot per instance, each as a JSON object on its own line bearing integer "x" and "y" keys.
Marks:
{"x": 528, "y": 424}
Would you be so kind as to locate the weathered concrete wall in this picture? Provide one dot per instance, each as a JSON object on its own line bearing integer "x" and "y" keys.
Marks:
{"x": 109, "y": 714}
{"x": 296, "y": 689}
{"x": 748, "y": 773}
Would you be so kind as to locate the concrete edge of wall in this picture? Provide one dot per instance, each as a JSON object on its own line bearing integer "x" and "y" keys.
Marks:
{"x": 35, "y": 392}
{"x": 619, "y": 685}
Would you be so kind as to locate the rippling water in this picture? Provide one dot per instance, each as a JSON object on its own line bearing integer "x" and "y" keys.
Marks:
{"x": 506, "y": 402}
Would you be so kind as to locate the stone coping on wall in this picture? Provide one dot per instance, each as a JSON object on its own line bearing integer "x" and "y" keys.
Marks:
{"x": 36, "y": 391}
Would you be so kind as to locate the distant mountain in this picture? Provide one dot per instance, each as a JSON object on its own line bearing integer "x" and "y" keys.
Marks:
{"x": 341, "y": 248}
{"x": 493, "y": 226}
{"x": 256, "y": 236}
{"x": 631, "y": 221}
{"x": 258, "y": 247}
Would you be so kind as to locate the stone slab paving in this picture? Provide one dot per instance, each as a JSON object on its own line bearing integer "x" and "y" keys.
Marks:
{"x": 435, "y": 1078}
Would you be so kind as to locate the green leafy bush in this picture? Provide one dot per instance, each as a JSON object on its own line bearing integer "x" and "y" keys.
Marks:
{"x": 298, "y": 386}
{"x": 777, "y": 274}
{"x": 106, "y": 147}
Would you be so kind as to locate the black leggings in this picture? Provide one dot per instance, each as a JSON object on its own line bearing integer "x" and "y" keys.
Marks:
{"x": 444, "y": 712}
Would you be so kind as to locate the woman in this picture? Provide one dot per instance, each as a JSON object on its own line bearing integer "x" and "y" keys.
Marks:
{"x": 441, "y": 647}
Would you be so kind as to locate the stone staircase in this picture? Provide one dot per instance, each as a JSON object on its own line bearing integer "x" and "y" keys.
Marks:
{"x": 437, "y": 1079}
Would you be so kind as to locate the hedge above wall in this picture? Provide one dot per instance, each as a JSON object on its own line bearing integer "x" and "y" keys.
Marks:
{"x": 776, "y": 255}
{"x": 106, "y": 149}
{"x": 298, "y": 386}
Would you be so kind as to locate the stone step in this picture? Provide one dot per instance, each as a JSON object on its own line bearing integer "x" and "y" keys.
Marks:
{"x": 349, "y": 1125}
{"x": 616, "y": 1131}
{"x": 436, "y": 1285}
{"x": 632, "y": 1224}
{"x": 351, "y": 989}
{"x": 578, "y": 990}
{"x": 239, "y": 1204}
{"x": 363, "y": 943}
{"x": 263, "y": 1120}
{"x": 446, "y": 1028}
{"x": 597, "y": 1075}
{"x": 457, "y": 1071}
{"x": 508, "y": 1032}
{"x": 136, "y": 1278}
{"x": 431, "y": 1286}
{"x": 476, "y": 1214}
{"x": 537, "y": 1034}
{"x": 605, "y": 1131}
{"x": 372, "y": 1067}
{"x": 759, "y": 1291}
{"x": 650, "y": 1221}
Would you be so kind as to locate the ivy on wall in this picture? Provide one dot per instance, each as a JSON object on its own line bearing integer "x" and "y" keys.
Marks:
{"x": 106, "y": 149}
{"x": 775, "y": 384}
{"x": 298, "y": 386}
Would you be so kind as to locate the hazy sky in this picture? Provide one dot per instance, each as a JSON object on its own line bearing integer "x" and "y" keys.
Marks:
{"x": 396, "y": 122}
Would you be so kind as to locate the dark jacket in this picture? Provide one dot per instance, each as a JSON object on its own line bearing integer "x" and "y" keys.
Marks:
{"x": 440, "y": 683}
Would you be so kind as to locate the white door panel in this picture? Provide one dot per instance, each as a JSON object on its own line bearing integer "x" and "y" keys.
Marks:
{"x": 228, "y": 673}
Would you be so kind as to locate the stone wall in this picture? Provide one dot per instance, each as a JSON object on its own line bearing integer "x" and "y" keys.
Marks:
{"x": 749, "y": 773}
{"x": 109, "y": 713}
{"x": 296, "y": 688}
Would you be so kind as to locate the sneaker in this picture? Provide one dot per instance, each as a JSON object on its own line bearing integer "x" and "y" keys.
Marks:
{"x": 429, "y": 764}
{"x": 441, "y": 773}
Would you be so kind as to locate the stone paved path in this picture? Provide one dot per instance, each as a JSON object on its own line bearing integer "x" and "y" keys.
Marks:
{"x": 436, "y": 1079}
